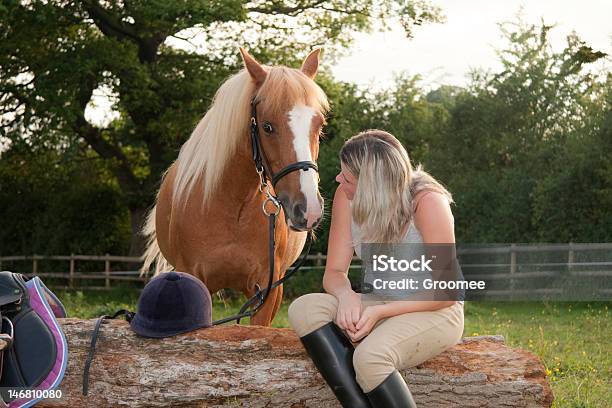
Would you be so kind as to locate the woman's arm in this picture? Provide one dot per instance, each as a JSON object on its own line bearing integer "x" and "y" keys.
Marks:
{"x": 339, "y": 256}
{"x": 339, "y": 247}
{"x": 434, "y": 219}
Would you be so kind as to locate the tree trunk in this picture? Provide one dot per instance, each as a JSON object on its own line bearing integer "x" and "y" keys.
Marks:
{"x": 137, "y": 240}
{"x": 252, "y": 366}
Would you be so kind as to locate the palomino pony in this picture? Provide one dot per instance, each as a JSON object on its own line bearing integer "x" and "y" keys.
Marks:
{"x": 208, "y": 219}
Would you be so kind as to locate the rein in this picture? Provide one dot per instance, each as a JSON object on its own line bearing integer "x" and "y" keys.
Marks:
{"x": 256, "y": 301}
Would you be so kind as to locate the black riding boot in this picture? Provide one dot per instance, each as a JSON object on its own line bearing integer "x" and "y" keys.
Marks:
{"x": 332, "y": 354}
{"x": 392, "y": 393}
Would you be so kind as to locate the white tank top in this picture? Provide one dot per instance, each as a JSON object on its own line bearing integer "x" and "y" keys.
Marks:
{"x": 413, "y": 236}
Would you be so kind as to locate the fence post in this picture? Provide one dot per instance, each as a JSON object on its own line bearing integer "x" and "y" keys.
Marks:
{"x": 71, "y": 280}
{"x": 570, "y": 258}
{"x": 319, "y": 259}
{"x": 34, "y": 265}
{"x": 107, "y": 271}
{"x": 512, "y": 269}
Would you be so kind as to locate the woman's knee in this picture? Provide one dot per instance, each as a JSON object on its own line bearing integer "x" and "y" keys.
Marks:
{"x": 296, "y": 309}
{"x": 309, "y": 312}
{"x": 372, "y": 366}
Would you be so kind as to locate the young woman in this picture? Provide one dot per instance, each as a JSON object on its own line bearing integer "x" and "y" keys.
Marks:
{"x": 380, "y": 199}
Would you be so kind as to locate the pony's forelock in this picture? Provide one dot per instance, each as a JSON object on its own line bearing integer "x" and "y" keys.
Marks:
{"x": 285, "y": 87}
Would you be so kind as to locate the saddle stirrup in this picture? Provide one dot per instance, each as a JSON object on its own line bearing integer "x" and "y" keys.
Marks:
{"x": 332, "y": 354}
{"x": 392, "y": 393}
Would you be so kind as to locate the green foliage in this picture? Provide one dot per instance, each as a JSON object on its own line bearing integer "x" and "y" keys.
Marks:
{"x": 55, "y": 55}
{"x": 524, "y": 149}
{"x": 53, "y": 205}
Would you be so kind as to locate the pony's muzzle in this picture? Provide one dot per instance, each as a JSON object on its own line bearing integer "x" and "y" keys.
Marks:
{"x": 299, "y": 215}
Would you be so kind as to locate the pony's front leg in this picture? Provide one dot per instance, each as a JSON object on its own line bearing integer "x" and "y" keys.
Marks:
{"x": 267, "y": 311}
{"x": 277, "y": 302}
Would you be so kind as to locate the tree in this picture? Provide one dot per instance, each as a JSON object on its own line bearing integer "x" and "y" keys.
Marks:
{"x": 573, "y": 202}
{"x": 55, "y": 55}
{"x": 514, "y": 138}
{"x": 57, "y": 202}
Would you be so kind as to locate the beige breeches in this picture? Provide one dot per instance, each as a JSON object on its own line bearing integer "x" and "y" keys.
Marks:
{"x": 397, "y": 342}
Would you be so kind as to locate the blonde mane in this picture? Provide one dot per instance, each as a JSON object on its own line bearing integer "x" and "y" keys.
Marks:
{"x": 226, "y": 124}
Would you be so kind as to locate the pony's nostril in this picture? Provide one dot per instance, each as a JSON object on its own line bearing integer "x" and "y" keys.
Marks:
{"x": 299, "y": 210}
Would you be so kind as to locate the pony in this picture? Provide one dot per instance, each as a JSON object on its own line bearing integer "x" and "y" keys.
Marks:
{"x": 207, "y": 219}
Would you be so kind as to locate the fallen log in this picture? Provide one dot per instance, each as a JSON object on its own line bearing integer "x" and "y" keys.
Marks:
{"x": 252, "y": 366}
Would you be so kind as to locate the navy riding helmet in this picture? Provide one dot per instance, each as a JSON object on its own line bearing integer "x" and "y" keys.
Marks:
{"x": 172, "y": 303}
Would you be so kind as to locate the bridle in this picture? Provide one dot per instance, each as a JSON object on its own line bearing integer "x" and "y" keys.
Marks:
{"x": 258, "y": 158}
{"x": 259, "y": 298}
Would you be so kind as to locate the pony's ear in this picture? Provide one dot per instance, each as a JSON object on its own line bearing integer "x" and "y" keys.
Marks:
{"x": 256, "y": 70}
{"x": 311, "y": 64}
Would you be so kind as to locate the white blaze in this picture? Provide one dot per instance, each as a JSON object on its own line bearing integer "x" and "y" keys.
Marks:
{"x": 300, "y": 121}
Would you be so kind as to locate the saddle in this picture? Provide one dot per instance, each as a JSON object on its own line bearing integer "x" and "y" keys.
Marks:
{"x": 33, "y": 348}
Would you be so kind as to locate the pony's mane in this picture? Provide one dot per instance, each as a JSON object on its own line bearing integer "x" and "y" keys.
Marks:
{"x": 226, "y": 125}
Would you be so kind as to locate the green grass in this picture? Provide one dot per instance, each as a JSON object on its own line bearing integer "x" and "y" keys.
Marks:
{"x": 573, "y": 340}
{"x": 91, "y": 304}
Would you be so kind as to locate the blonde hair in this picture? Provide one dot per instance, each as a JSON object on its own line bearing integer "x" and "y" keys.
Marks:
{"x": 225, "y": 126}
{"x": 386, "y": 185}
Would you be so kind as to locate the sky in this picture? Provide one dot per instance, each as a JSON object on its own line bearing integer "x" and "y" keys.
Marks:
{"x": 445, "y": 53}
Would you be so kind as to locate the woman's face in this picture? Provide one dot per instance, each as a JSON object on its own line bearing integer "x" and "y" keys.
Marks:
{"x": 347, "y": 181}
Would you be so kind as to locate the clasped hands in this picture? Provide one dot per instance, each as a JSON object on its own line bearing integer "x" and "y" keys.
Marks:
{"x": 353, "y": 319}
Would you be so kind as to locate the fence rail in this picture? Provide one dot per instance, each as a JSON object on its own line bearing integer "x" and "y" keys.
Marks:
{"x": 508, "y": 269}
{"x": 108, "y": 274}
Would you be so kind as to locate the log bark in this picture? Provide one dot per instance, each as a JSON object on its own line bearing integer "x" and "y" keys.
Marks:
{"x": 251, "y": 366}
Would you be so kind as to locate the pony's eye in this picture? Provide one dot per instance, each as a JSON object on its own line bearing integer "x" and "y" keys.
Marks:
{"x": 267, "y": 127}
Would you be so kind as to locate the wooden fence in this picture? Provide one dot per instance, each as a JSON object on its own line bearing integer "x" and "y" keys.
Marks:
{"x": 531, "y": 271}
{"x": 30, "y": 266}
{"x": 507, "y": 265}
{"x": 72, "y": 275}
